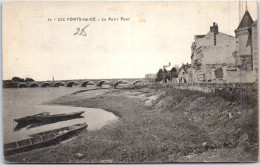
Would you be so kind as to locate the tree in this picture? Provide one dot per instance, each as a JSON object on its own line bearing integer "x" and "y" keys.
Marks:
{"x": 174, "y": 72}
{"x": 159, "y": 75}
{"x": 166, "y": 75}
{"x": 17, "y": 79}
{"x": 29, "y": 80}
{"x": 163, "y": 75}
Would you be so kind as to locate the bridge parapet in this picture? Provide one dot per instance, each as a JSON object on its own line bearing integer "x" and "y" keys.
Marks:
{"x": 80, "y": 82}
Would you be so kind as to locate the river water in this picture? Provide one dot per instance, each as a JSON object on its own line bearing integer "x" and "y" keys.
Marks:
{"x": 18, "y": 103}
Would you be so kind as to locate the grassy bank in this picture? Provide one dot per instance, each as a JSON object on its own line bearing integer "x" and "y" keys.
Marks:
{"x": 160, "y": 125}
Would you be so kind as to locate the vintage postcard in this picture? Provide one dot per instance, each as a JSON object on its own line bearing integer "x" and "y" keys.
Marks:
{"x": 130, "y": 82}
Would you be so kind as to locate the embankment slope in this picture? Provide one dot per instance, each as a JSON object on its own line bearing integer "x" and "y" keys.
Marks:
{"x": 161, "y": 125}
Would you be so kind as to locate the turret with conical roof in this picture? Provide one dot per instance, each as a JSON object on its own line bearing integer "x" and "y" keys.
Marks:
{"x": 242, "y": 35}
{"x": 246, "y": 21}
{"x": 246, "y": 52}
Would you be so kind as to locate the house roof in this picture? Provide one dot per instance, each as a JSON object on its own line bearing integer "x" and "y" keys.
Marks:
{"x": 185, "y": 67}
{"x": 246, "y": 21}
{"x": 205, "y": 40}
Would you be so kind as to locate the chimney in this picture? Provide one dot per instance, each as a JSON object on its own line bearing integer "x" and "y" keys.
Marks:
{"x": 214, "y": 28}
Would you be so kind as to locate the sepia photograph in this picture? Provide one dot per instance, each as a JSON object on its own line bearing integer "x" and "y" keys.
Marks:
{"x": 129, "y": 82}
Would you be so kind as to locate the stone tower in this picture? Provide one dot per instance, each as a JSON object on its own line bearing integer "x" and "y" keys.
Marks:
{"x": 246, "y": 47}
{"x": 244, "y": 52}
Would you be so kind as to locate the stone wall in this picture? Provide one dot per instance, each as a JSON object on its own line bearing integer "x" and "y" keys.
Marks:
{"x": 214, "y": 87}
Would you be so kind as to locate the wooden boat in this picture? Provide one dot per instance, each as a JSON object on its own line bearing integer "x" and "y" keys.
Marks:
{"x": 55, "y": 130}
{"x": 31, "y": 118}
{"x": 46, "y": 116}
{"x": 43, "y": 139}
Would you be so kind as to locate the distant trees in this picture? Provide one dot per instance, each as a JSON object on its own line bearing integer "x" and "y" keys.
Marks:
{"x": 29, "y": 80}
{"x": 159, "y": 75}
{"x": 174, "y": 72}
{"x": 18, "y": 79}
{"x": 166, "y": 75}
{"x": 13, "y": 82}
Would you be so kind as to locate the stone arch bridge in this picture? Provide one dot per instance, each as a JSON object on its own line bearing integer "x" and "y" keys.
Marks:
{"x": 81, "y": 83}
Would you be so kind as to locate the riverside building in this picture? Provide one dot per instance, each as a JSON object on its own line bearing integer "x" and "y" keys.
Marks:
{"x": 209, "y": 53}
{"x": 219, "y": 57}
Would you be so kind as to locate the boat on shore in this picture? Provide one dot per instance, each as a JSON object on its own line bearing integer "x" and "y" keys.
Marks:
{"x": 43, "y": 139}
{"x": 55, "y": 131}
{"x": 45, "y": 116}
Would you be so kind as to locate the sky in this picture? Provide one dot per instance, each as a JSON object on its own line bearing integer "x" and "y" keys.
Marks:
{"x": 155, "y": 34}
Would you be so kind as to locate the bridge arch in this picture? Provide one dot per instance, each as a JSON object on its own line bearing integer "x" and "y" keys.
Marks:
{"x": 46, "y": 84}
{"x": 58, "y": 84}
{"x": 72, "y": 83}
{"x": 33, "y": 85}
{"x": 121, "y": 82}
{"x": 140, "y": 81}
{"x": 22, "y": 85}
{"x": 100, "y": 83}
{"x": 85, "y": 83}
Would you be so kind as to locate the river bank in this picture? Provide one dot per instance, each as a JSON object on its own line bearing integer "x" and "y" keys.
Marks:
{"x": 159, "y": 125}
{"x": 23, "y": 102}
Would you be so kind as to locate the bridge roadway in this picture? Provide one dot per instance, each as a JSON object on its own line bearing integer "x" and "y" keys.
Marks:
{"x": 81, "y": 82}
